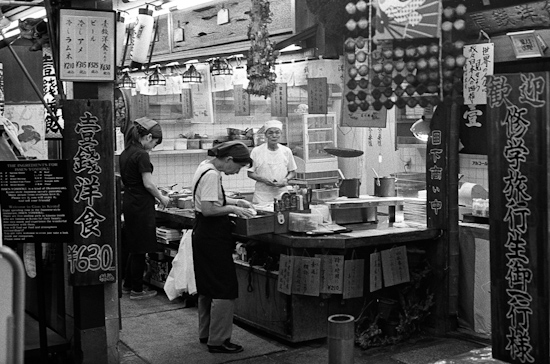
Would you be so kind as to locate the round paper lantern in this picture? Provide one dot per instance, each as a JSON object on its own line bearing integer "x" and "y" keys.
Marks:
{"x": 143, "y": 34}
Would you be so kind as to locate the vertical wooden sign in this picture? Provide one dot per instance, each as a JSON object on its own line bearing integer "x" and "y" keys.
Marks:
{"x": 87, "y": 139}
{"x": 317, "y": 95}
{"x": 517, "y": 106}
{"x": 279, "y": 100}
{"x": 186, "y": 103}
{"x": 436, "y": 168}
{"x": 241, "y": 100}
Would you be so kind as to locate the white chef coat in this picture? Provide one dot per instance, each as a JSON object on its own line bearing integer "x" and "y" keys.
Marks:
{"x": 273, "y": 165}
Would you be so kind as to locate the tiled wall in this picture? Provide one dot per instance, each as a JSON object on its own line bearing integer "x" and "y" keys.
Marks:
{"x": 474, "y": 169}
{"x": 170, "y": 169}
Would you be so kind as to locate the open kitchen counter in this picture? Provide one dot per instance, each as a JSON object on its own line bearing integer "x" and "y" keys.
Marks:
{"x": 297, "y": 317}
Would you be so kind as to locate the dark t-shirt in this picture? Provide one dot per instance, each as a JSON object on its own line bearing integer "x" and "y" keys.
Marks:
{"x": 133, "y": 162}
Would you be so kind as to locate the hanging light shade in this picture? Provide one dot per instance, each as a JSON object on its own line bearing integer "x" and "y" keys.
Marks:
{"x": 421, "y": 129}
{"x": 125, "y": 80}
{"x": 143, "y": 34}
{"x": 191, "y": 75}
{"x": 219, "y": 67}
{"x": 156, "y": 78}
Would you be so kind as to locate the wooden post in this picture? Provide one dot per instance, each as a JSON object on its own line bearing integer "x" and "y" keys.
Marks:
{"x": 96, "y": 305}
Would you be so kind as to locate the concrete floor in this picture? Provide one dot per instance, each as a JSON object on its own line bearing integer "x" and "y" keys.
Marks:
{"x": 178, "y": 349}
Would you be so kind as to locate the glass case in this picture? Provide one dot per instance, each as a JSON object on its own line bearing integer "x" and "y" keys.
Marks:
{"x": 309, "y": 134}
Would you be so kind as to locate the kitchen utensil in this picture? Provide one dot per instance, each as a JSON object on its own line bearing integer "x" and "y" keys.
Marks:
{"x": 377, "y": 177}
{"x": 384, "y": 187}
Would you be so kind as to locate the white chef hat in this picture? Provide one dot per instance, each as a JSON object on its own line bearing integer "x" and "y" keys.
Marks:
{"x": 273, "y": 124}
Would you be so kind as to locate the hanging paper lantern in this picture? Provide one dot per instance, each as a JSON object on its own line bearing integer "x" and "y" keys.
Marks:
{"x": 143, "y": 34}
{"x": 120, "y": 38}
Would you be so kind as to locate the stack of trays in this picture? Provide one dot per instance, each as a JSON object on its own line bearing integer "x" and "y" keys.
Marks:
{"x": 414, "y": 209}
{"x": 167, "y": 235}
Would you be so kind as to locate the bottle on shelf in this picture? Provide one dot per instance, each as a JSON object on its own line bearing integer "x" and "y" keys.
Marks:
{"x": 179, "y": 33}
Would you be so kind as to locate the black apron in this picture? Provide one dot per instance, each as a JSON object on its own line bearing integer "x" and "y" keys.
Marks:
{"x": 213, "y": 247}
{"x": 139, "y": 220}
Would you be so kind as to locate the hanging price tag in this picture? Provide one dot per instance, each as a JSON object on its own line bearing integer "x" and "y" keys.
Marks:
{"x": 354, "y": 271}
{"x": 223, "y": 16}
{"x": 317, "y": 95}
{"x": 395, "y": 266}
{"x": 375, "y": 272}
{"x": 286, "y": 267}
{"x": 332, "y": 273}
{"x": 306, "y": 276}
{"x": 279, "y": 106}
{"x": 242, "y": 101}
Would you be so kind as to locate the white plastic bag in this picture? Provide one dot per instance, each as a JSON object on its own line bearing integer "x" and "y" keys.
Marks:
{"x": 182, "y": 275}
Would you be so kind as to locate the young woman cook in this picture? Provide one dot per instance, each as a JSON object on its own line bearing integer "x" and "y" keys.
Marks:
{"x": 138, "y": 203}
{"x": 213, "y": 245}
{"x": 273, "y": 167}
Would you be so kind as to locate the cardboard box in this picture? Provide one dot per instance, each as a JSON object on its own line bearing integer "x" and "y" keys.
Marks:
{"x": 259, "y": 224}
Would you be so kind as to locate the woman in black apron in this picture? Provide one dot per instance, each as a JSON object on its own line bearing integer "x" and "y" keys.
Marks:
{"x": 138, "y": 203}
{"x": 213, "y": 245}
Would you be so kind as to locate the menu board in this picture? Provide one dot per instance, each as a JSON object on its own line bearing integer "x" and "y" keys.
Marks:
{"x": 35, "y": 202}
{"x": 87, "y": 45}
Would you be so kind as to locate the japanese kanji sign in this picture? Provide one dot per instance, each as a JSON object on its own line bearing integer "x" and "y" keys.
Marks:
{"x": 517, "y": 107}
{"x": 286, "y": 267}
{"x": 35, "y": 201}
{"x": 279, "y": 102}
{"x": 241, "y": 100}
{"x": 436, "y": 168}
{"x": 87, "y": 45}
{"x": 332, "y": 273}
{"x": 480, "y": 61}
{"x": 317, "y": 95}
{"x": 88, "y": 140}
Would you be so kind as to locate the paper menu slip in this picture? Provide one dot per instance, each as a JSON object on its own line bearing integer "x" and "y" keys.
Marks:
{"x": 332, "y": 273}
{"x": 286, "y": 267}
{"x": 306, "y": 275}
{"x": 241, "y": 101}
{"x": 279, "y": 100}
{"x": 353, "y": 278}
{"x": 395, "y": 266}
{"x": 375, "y": 272}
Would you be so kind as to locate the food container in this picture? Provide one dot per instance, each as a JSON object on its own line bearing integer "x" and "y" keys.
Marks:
{"x": 168, "y": 144}
{"x": 325, "y": 194}
{"x": 180, "y": 144}
{"x": 256, "y": 225}
{"x": 301, "y": 223}
{"x": 207, "y": 143}
{"x": 185, "y": 202}
{"x": 193, "y": 144}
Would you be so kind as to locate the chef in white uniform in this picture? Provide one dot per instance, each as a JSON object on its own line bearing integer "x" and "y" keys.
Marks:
{"x": 273, "y": 165}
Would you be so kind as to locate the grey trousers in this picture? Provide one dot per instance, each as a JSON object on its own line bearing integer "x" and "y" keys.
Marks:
{"x": 215, "y": 319}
